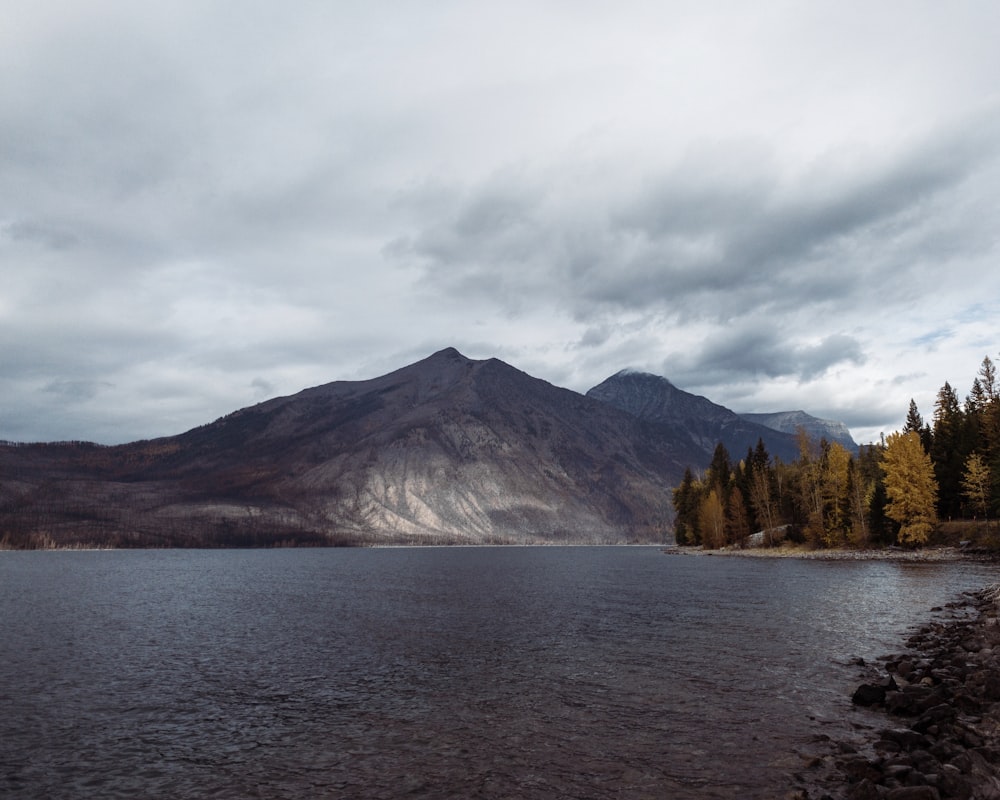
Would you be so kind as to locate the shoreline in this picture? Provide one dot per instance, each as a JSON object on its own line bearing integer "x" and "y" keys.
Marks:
{"x": 928, "y": 716}
{"x": 936, "y": 554}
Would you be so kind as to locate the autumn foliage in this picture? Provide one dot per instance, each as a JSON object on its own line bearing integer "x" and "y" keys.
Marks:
{"x": 892, "y": 492}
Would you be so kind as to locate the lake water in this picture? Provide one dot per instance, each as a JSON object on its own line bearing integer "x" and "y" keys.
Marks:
{"x": 446, "y": 672}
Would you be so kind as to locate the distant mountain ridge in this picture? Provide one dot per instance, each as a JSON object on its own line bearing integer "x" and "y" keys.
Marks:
{"x": 792, "y": 421}
{"x": 655, "y": 398}
{"x": 445, "y": 450}
{"x": 690, "y": 417}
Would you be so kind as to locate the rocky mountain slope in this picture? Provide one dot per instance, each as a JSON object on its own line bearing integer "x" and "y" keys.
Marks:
{"x": 444, "y": 450}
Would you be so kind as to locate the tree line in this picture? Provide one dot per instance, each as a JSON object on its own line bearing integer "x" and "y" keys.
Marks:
{"x": 894, "y": 492}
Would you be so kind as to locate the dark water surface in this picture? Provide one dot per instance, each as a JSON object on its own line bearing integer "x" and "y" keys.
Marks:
{"x": 462, "y": 672}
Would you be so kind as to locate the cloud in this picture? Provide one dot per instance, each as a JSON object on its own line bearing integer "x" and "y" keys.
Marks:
{"x": 206, "y": 203}
{"x": 77, "y": 390}
{"x": 753, "y": 354}
{"x": 721, "y": 235}
{"x": 262, "y": 388}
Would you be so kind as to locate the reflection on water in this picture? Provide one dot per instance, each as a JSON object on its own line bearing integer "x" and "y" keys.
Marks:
{"x": 494, "y": 672}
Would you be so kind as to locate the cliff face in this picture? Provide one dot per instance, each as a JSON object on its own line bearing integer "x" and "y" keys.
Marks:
{"x": 447, "y": 449}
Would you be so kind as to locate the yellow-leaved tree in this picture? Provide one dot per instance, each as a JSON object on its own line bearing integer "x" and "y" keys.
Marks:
{"x": 910, "y": 487}
{"x": 712, "y": 521}
{"x": 976, "y": 485}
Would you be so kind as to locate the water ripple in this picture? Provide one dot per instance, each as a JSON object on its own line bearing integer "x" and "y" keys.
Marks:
{"x": 536, "y": 673}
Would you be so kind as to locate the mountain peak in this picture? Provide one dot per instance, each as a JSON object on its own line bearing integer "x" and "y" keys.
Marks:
{"x": 635, "y": 373}
{"x": 698, "y": 419}
{"x": 449, "y": 353}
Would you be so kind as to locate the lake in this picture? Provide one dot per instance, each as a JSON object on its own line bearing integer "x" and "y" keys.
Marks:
{"x": 547, "y": 672}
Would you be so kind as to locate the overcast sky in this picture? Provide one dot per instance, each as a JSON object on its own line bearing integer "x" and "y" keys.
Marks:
{"x": 778, "y": 205}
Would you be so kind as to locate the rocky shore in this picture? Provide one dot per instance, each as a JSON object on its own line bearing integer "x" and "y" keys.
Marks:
{"x": 940, "y": 702}
{"x": 939, "y": 553}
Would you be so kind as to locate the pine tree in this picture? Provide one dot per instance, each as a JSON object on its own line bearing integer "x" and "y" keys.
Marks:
{"x": 687, "y": 498}
{"x": 949, "y": 451}
{"x": 987, "y": 379}
{"x": 760, "y": 458}
{"x": 910, "y": 487}
{"x": 720, "y": 471}
{"x": 988, "y": 427}
{"x": 871, "y": 475}
{"x": 915, "y": 423}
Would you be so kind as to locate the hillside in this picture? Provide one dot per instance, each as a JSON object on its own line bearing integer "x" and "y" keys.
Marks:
{"x": 444, "y": 450}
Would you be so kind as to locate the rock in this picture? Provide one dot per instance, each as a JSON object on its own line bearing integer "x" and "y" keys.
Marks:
{"x": 914, "y": 793}
{"x": 865, "y": 790}
{"x": 949, "y": 688}
{"x": 900, "y": 703}
{"x": 868, "y": 694}
{"x": 858, "y": 768}
{"x": 904, "y": 737}
{"x": 953, "y": 783}
{"x": 935, "y": 715}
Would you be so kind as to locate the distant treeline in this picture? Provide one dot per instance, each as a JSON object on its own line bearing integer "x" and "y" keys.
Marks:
{"x": 68, "y": 443}
{"x": 892, "y": 492}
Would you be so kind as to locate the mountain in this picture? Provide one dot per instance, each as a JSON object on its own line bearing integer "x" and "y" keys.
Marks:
{"x": 690, "y": 419}
{"x": 445, "y": 450}
{"x": 791, "y": 421}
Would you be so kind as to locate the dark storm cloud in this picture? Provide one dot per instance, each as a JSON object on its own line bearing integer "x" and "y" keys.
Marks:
{"x": 704, "y": 240}
{"x": 751, "y": 354}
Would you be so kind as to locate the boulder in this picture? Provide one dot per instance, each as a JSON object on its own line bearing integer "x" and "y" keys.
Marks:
{"x": 868, "y": 694}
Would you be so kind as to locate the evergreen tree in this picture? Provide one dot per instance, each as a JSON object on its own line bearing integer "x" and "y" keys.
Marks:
{"x": 687, "y": 499}
{"x": 987, "y": 379}
{"x": 915, "y": 423}
{"x": 988, "y": 427}
{"x": 871, "y": 475}
{"x": 760, "y": 459}
{"x": 720, "y": 471}
{"x": 948, "y": 452}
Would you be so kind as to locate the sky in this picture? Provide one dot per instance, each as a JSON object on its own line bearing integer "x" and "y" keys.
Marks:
{"x": 776, "y": 205}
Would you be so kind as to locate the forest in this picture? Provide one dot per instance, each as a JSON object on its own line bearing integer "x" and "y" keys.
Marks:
{"x": 932, "y": 481}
